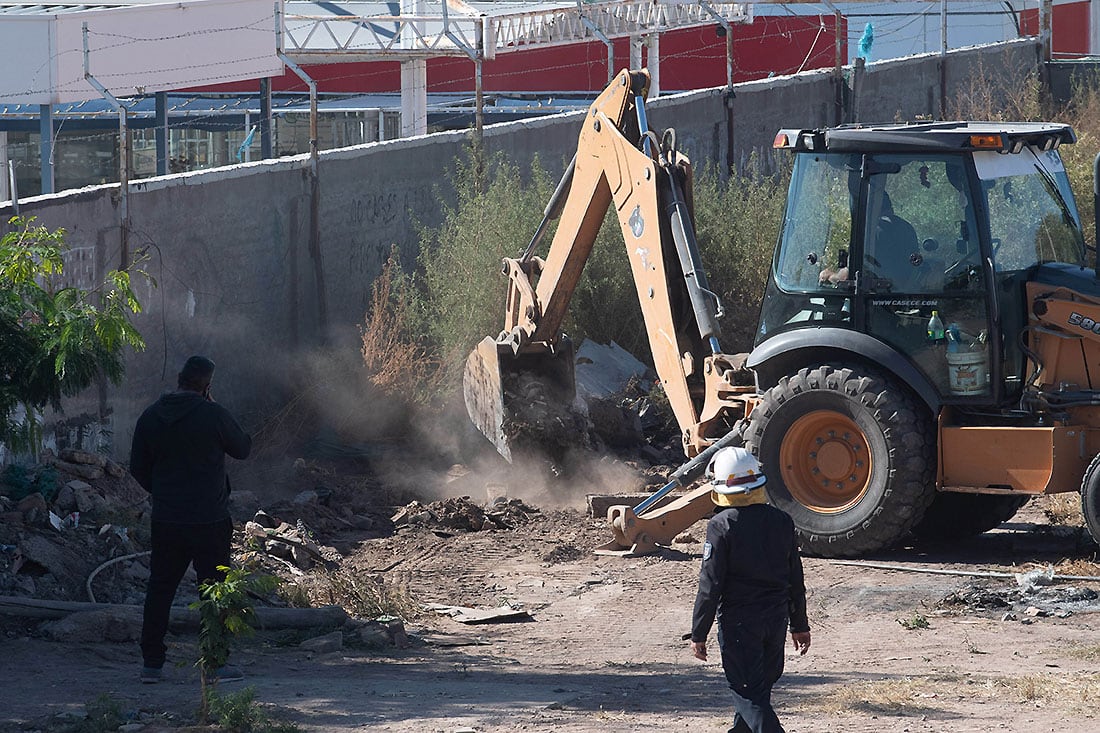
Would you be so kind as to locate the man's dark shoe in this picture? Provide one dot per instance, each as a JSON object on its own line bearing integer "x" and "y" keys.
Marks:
{"x": 151, "y": 675}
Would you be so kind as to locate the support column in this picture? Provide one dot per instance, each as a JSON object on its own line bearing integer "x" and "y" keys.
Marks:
{"x": 1094, "y": 27}
{"x": 653, "y": 63}
{"x": 1046, "y": 11}
{"x": 636, "y": 52}
{"x": 943, "y": 59}
{"x": 5, "y": 194}
{"x": 161, "y": 132}
{"x": 414, "y": 97}
{"x": 45, "y": 146}
{"x": 414, "y": 74}
{"x": 265, "y": 118}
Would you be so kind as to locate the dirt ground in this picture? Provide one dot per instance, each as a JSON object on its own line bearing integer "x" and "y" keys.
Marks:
{"x": 601, "y": 647}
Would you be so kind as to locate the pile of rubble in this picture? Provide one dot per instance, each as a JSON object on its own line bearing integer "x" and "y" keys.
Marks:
{"x": 463, "y": 515}
{"x": 1037, "y": 594}
{"x": 65, "y": 517}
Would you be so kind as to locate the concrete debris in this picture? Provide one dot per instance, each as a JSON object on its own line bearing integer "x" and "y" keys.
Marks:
{"x": 464, "y": 515}
{"x": 374, "y": 637}
{"x": 564, "y": 553}
{"x": 1030, "y": 580}
{"x": 83, "y": 457}
{"x": 331, "y": 642}
{"x": 480, "y": 615}
{"x": 604, "y": 370}
{"x": 112, "y": 623}
{"x": 293, "y": 543}
{"x": 1030, "y": 601}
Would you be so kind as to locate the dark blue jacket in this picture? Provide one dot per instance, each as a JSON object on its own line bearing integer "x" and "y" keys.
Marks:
{"x": 178, "y": 456}
{"x": 751, "y": 570}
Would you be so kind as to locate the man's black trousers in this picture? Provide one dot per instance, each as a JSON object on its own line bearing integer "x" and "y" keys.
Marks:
{"x": 752, "y": 657}
{"x": 174, "y": 547}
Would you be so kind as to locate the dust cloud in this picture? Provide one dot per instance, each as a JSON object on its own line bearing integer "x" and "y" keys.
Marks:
{"x": 325, "y": 413}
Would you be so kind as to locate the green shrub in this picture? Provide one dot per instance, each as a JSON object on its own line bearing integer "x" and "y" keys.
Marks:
{"x": 238, "y": 712}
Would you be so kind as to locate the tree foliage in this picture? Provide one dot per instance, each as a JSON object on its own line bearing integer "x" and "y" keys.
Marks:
{"x": 55, "y": 338}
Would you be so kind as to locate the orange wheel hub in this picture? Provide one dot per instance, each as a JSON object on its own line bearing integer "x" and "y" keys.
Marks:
{"x": 825, "y": 461}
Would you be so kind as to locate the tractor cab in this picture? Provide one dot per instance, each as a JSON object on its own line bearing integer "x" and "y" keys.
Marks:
{"x": 910, "y": 246}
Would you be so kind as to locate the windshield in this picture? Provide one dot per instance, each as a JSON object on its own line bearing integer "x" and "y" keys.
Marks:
{"x": 1032, "y": 216}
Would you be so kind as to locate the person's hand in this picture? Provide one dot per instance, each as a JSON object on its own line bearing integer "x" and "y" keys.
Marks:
{"x": 801, "y": 641}
{"x": 699, "y": 650}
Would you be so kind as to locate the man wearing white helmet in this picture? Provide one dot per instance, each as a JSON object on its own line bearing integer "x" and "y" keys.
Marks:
{"x": 752, "y": 579}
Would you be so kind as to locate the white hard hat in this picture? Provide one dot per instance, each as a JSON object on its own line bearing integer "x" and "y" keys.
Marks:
{"x": 735, "y": 471}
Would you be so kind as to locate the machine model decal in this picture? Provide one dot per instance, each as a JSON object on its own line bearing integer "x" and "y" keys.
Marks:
{"x": 1086, "y": 323}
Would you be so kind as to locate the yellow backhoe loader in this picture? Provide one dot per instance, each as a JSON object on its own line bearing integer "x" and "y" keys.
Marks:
{"x": 927, "y": 353}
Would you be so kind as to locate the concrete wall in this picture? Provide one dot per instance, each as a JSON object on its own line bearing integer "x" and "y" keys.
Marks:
{"x": 229, "y": 248}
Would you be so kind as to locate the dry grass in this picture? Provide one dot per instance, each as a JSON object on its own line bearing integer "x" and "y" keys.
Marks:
{"x": 396, "y": 363}
{"x": 1078, "y": 566}
{"x": 360, "y": 594}
{"x": 1086, "y": 653}
{"x": 917, "y": 696}
{"x": 1062, "y": 509}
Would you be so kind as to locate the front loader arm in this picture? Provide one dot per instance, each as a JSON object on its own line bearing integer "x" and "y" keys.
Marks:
{"x": 619, "y": 164}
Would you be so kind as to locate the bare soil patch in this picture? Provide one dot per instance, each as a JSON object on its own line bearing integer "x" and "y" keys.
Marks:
{"x": 600, "y": 645}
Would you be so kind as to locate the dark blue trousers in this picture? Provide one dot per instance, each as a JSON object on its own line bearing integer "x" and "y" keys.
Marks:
{"x": 752, "y": 658}
{"x": 174, "y": 547}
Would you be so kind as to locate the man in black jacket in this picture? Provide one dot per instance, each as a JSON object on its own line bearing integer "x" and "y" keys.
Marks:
{"x": 178, "y": 456}
{"x": 752, "y": 578}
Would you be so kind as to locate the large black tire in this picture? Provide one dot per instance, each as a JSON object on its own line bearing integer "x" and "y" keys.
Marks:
{"x": 848, "y": 455}
{"x": 955, "y": 516}
{"x": 1090, "y": 498}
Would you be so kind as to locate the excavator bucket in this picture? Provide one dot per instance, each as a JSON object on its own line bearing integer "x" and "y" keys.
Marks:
{"x": 522, "y": 402}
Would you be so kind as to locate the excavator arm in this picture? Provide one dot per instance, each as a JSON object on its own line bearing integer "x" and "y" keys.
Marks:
{"x": 619, "y": 163}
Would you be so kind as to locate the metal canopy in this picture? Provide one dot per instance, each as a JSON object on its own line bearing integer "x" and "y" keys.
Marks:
{"x": 50, "y": 51}
{"x": 323, "y": 32}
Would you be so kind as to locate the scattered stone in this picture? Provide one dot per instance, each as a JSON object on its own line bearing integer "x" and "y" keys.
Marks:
{"x": 375, "y": 637}
{"x": 301, "y": 557}
{"x": 66, "y": 499}
{"x": 279, "y": 549}
{"x": 84, "y": 471}
{"x": 1008, "y": 616}
{"x": 396, "y": 631}
{"x": 114, "y": 469}
{"x": 1029, "y": 580}
{"x": 563, "y": 553}
{"x": 1035, "y": 612}
{"x": 112, "y": 623}
{"x": 362, "y": 521}
{"x": 33, "y": 508}
{"x": 89, "y": 501}
{"x": 332, "y": 642}
{"x": 459, "y": 513}
{"x": 83, "y": 457}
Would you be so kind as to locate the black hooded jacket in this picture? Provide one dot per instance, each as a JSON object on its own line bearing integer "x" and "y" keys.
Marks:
{"x": 178, "y": 456}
